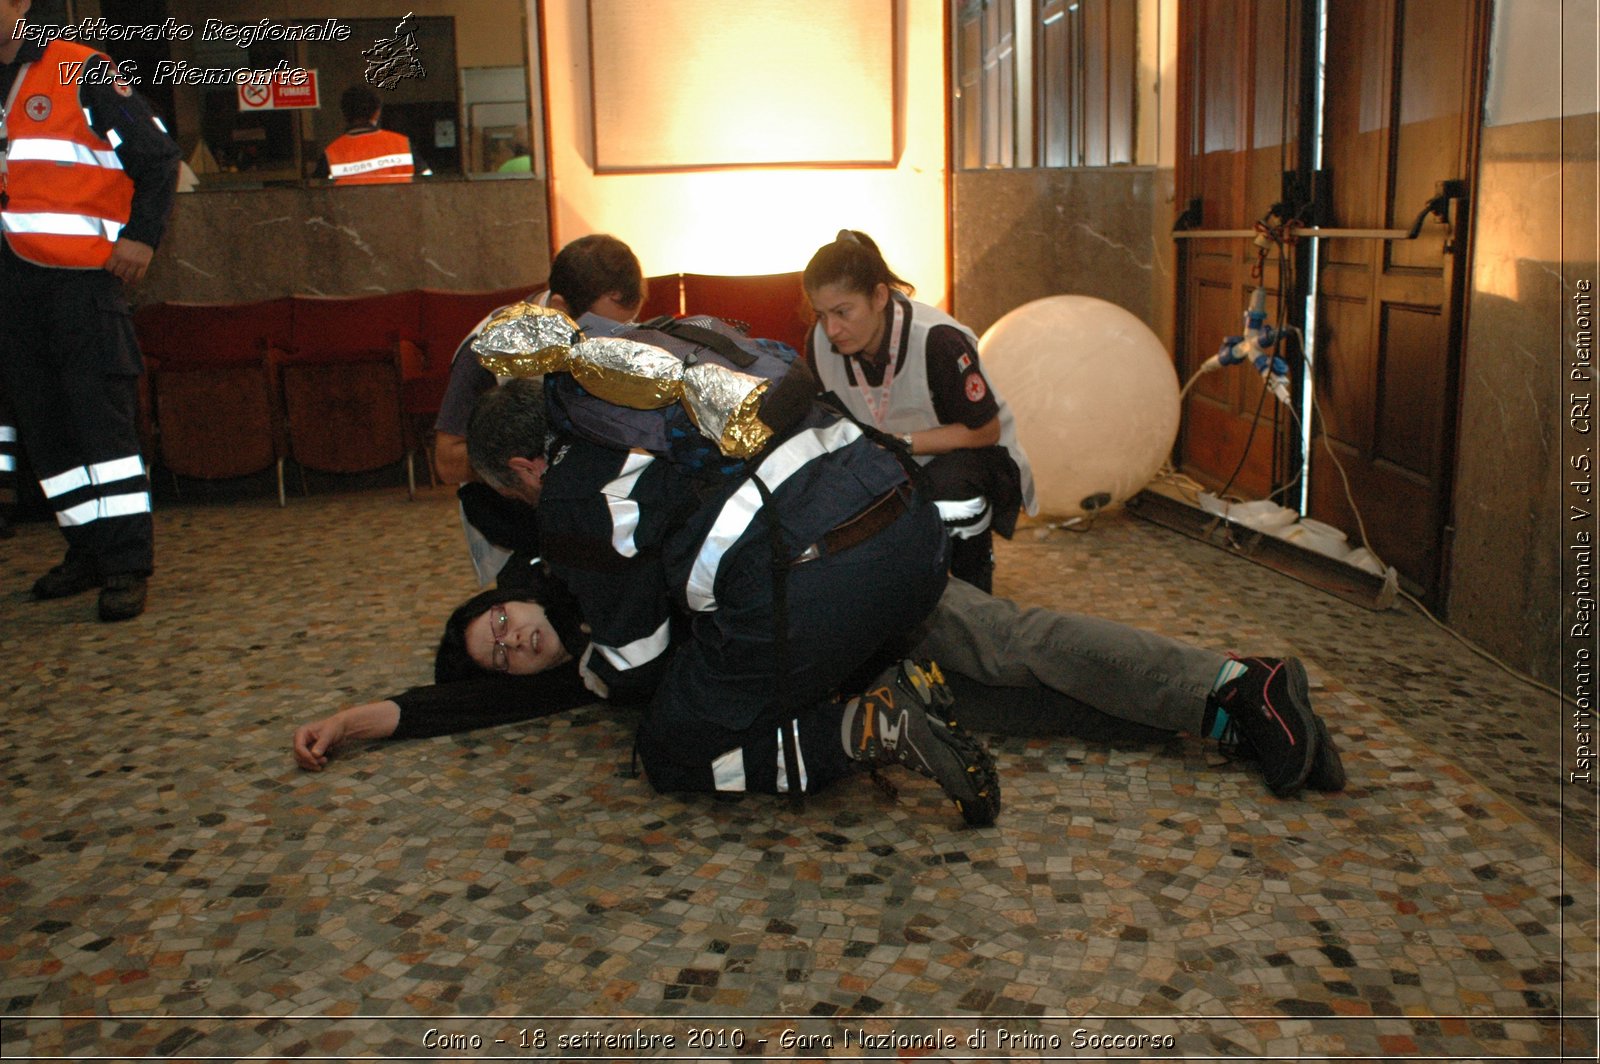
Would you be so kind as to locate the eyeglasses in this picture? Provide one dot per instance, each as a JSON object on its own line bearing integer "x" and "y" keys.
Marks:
{"x": 499, "y": 624}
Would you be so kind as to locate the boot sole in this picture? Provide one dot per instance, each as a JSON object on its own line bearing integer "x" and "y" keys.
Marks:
{"x": 973, "y": 783}
{"x": 48, "y": 594}
{"x": 982, "y": 775}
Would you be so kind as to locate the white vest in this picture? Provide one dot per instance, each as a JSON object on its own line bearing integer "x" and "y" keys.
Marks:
{"x": 910, "y": 401}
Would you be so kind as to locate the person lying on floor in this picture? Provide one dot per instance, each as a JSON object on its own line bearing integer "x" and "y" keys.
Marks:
{"x": 1018, "y": 670}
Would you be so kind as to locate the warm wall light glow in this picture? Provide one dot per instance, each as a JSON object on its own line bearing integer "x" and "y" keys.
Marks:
{"x": 745, "y": 221}
{"x": 736, "y": 82}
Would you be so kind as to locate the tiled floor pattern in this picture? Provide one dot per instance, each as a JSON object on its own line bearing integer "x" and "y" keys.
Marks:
{"x": 163, "y": 861}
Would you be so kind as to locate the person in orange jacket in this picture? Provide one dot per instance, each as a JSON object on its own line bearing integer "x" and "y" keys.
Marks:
{"x": 85, "y": 190}
{"x": 365, "y": 153}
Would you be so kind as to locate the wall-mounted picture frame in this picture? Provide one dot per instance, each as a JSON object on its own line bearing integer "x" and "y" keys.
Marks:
{"x": 707, "y": 84}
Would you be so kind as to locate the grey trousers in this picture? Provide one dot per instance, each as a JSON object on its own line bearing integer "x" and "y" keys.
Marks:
{"x": 1030, "y": 671}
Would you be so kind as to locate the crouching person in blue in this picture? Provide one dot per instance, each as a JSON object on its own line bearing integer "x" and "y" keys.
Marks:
{"x": 738, "y": 599}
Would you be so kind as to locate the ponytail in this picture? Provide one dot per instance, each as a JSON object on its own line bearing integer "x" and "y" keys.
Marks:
{"x": 854, "y": 262}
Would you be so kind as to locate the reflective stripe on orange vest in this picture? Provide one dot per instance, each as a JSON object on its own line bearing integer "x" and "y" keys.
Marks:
{"x": 67, "y": 196}
{"x": 374, "y": 158}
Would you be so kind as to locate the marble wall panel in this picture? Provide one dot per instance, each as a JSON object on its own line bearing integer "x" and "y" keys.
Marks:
{"x": 263, "y": 243}
{"x": 1533, "y": 238}
{"x": 1020, "y": 235}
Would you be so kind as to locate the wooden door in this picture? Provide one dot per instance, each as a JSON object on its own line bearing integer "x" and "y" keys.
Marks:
{"x": 1238, "y": 124}
{"x": 1401, "y": 118}
{"x": 1403, "y": 91}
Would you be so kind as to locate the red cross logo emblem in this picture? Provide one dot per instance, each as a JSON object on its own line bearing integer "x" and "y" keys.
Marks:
{"x": 975, "y": 387}
{"x": 38, "y": 107}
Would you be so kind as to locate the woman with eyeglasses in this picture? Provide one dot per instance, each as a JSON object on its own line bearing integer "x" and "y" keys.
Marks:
{"x": 510, "y": 655}
{"x": 503, "y": 658}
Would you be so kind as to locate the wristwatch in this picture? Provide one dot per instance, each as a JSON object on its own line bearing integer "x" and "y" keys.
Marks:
{"x": 905, "y": 438}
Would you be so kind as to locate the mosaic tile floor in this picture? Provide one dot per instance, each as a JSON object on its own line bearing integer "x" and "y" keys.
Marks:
{"x": 171, "y": 886}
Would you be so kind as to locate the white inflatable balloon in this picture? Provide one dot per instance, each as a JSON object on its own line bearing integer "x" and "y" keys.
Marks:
{"x": 1094, "y": 394}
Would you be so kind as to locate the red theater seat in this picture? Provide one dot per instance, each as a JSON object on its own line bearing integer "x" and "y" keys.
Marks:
{"x": 342, "y": 381}
{"x": 663, "y": 295}
{"x": 213, "y": 386}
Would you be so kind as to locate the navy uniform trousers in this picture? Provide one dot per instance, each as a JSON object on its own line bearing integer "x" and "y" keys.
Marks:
{"x": 71, "y": 367}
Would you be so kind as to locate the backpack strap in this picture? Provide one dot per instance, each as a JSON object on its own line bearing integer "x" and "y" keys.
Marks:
{"x": 723, "y": 345}
{"x": 780, "y": 637}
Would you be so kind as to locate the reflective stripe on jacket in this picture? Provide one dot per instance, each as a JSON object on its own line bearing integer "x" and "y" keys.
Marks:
{"x": 67, "y": 195}
{"x": 378, "y": 157}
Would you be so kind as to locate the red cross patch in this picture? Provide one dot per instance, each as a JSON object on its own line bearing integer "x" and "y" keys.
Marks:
{"x": 976, "y": 389}
{"x": 122, "y": 87}
{"x": 38, "y": 107}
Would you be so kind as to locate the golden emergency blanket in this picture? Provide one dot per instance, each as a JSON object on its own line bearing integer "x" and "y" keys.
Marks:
{"x": 525, "y": 340}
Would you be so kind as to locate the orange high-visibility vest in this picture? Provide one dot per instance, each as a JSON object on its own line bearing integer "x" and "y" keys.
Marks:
{"x": 67, "y": 196}
{"x": 378, "y": 157}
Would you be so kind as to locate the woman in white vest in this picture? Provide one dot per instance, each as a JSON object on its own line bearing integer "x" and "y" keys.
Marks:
{"x": 911, "y": 371}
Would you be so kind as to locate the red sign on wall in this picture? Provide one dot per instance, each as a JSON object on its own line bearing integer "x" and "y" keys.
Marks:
{"x": 281, "y": 93}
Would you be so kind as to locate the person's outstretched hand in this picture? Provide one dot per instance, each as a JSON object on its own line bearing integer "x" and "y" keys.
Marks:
{"x": 315, "y": 741}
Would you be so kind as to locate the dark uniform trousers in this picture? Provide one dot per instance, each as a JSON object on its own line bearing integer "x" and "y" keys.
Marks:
{"x": 70, "y": 366}
{"x": 985, "y": 474}
{"x": 848, "y": 614}
{"x": 10, "y": 456}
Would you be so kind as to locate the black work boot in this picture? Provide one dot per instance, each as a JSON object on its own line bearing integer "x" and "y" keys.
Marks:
{"x": 123, "y": 596}
{"x": 75, "y": 575}
{"x": 905, "y": 718}
{"x": 1269, "y": 712}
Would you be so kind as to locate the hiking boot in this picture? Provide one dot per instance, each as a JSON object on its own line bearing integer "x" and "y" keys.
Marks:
{"x": 905, "y": 718}
{"x": 1269, "y": 711}
{"x": 123, "y": 597}
{"x": 73, "y": 576}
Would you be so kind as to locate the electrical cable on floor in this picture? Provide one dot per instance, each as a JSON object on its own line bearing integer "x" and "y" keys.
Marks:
{"x": 1509, "y": 670}
{"x": 1482, "y": 653}
{"x": 1192, "y": 489}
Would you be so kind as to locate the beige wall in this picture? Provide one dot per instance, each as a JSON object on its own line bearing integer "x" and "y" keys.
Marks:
{"x": 1534, "y": 237}
{"x": 756, "y": 220}
{"x": 488, "y": 32}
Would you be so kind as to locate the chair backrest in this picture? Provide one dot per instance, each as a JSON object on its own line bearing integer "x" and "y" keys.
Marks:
{"x": 186, "y": 333}
{"x": 344, "y": 413}
{"x": 772, "y": 304}
{"x": 447, "y": 318}
{"x": 663, "y": 295}
{"x": 347, "y": 325}
{"x": 217, "y": 420}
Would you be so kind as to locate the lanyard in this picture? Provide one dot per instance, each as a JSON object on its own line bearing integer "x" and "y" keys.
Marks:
{"x": 877, "y": 399}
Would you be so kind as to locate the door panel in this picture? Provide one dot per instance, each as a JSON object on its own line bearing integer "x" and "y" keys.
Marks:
{"x": 1403, "y": 83}
{"x": 1409, "y": 433}
{"x": 1239, "y": 127}
{"x": 1388, "y": 312}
